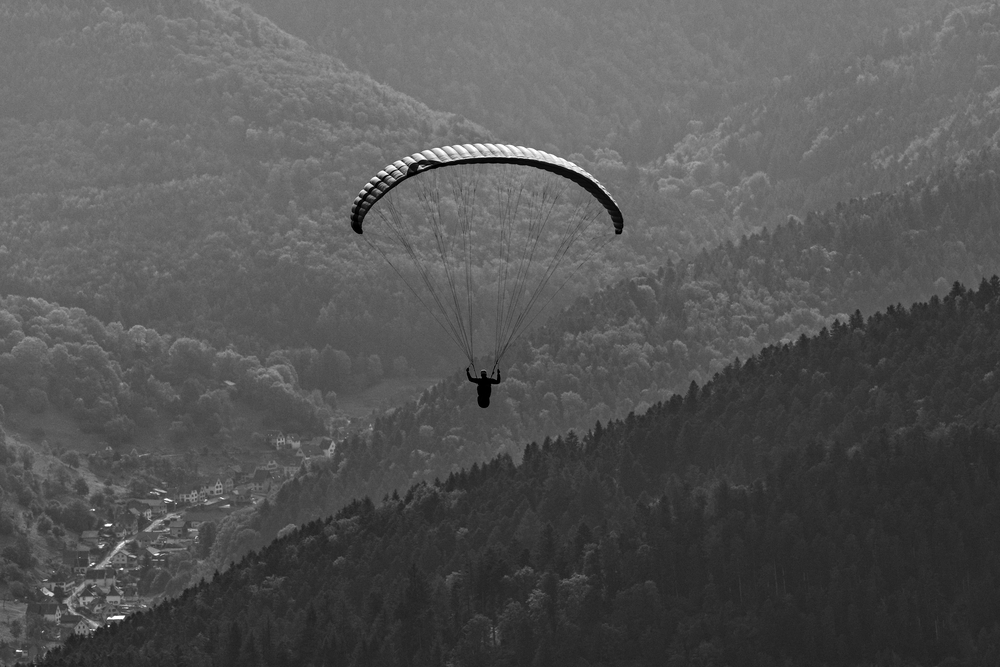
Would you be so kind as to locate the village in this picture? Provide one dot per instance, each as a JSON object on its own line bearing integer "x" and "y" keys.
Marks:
{"x": 106, "y": 575}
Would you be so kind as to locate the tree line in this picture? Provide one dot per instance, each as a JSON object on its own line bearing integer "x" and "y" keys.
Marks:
{"x": 830, "y": 499}
{"x": 644, "y": 339}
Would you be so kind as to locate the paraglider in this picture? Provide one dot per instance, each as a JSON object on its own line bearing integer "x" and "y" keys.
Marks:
{"x": 485, "y": 236}
{"x": 484, "y": 386}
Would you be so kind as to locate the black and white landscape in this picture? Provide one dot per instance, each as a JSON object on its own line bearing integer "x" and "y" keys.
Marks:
{"x": 761, "y": 427}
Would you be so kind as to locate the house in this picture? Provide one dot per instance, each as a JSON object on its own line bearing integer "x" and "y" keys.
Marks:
{"x": 139, "y": 509}
{"x": 309, "y": 451}
{"x": 146, "y": 537}
{"x": 50, "y": 611}
{"x": 261, "y": 482}
{"x": 74, "y": 624}
{"x": 114, "y": 595}
{"x": 103, "y": 578}
{"x": 158, "y": 506}
{"x": 90, "y": 537}
{"x": 196, "y": 517}
{"x": 128, "y": 523}
{"x": 187, "y": 496}
{"x": 149, "y": 507}
{"x": 277, "y": 439}
{"x": 216, "y": 489}
{"x": 122, "y": 558}
{"x": 89, "y": 594}
{"x": 293, "y": 441}
{"x": 77, "y": 559}
{"x": 330, "y": 448}
{"x": 178, "y": 528}
{"x": 157, "y": 557}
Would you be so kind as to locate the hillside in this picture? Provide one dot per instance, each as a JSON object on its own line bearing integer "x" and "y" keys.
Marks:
{"x": 189, "y": 167}
{"x": 120, "y": 384}
{"x": 51, "y": 493}
{"x": 186, "y": 166}
{"x": 892, "y": 110}
{"x": 640, "y": 341}
{"x": 830, "y": 499}
{"x": 570, "y": 74}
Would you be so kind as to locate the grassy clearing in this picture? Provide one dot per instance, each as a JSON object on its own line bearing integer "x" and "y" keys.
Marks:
{"x": 55, "y": 427}
{"x": 11, "y": 611}
{"x": 386, "y": 394}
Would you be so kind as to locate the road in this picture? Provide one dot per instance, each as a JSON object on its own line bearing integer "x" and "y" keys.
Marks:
{"x": 106, "y": 561}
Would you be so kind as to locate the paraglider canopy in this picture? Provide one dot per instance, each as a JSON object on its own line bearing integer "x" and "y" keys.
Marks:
{"x": 485, "y": 235}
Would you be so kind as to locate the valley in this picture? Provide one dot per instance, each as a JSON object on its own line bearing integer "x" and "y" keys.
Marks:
{"x": 759, "y": 428}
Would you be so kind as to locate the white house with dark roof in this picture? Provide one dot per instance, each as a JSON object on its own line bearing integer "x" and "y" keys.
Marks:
{"x": 190, "y": 496}
{"x": 50, "y": 611}
{"x": 122, "y": 558}
{"x": 74, "y": 624}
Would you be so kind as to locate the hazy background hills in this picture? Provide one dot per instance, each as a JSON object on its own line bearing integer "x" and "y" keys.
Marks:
{"x": 572, "y": 74}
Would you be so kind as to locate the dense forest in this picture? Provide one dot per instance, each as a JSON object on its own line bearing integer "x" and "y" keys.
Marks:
{"x": 628, "y": 75}
{"x": 114, "y": 381}
{"x": 892, "y": 110}
{"x": 159, "y": 161}
{"x": 638, "y": 342}
{"x": 833, "y": 498}
{"x": 188, "y": 167}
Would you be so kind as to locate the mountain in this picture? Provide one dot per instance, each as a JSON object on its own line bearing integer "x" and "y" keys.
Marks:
{"x": 890, "y": 111}
{"x": 838, "y": 504}
{"x": 567, "y": 74}
{"x": 642, "y": 340}
{"x": 187, "y": 166}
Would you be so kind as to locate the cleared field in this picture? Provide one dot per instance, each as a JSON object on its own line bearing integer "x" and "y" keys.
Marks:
{"x": 10, "y": 611}
{"x": 386, "y": 394}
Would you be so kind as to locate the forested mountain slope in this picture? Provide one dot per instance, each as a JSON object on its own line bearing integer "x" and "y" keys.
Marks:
{"x": 569, "y": 74}
{"x": 187, "y": 166}
{"x": 116, "y": 381}
{"x": 893, "y": 110}
{"x": 640, "y": 341}
{"x": 832, "y": 499}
